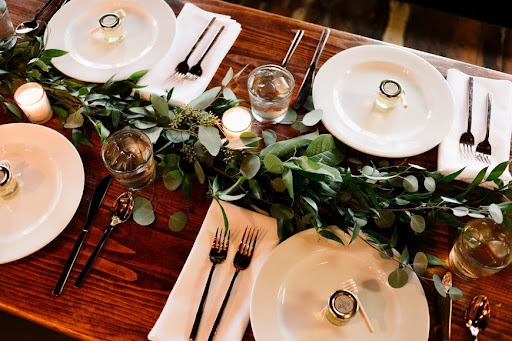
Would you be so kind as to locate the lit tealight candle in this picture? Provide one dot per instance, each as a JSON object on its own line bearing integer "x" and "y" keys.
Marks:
{"x": 32, "y": 99}
{"x": 236, "y": 121}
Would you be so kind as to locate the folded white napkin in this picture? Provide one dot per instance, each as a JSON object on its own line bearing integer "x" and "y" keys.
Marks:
{"x": 177, "y": 317}
{"x": 449, "y": 156}
{"x": 190, "y": 23}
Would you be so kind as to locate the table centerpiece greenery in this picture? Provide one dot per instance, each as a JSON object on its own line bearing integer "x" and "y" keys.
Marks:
{"x": 304, "y": 182}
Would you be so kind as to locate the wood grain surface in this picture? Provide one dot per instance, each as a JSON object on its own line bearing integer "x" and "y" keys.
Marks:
{"x": 126, "y": 290}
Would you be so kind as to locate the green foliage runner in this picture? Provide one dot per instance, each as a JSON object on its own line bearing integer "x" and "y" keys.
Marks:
{"x": 304, "y": 182}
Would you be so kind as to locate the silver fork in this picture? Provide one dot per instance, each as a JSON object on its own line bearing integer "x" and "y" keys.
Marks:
{"x": 483, "y": 149}
{"x": 467, "y": 140}
{"x": 182, "y": 68}
{"x": 218, "y": 254}
{"x": 241, "y": 262}
{"x": 196, "y": 71}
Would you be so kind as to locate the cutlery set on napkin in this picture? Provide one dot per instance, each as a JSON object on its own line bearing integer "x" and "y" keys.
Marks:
{"x": 488, "y": 98}
{"x": 177, "y": 317}
{"x": 191, "y": 23}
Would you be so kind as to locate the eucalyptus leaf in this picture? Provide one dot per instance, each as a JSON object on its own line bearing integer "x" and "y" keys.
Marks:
{"x": 278, "y": 185}
{"x": 250, "y": 165}
{"x": 433, "y": 260}
{"x": 269, "y": 137}
{"x": 455, "y": 293}
{"x": 386, "y": 219}
{"x": 173, "y": 180}
{"x": 198, "y": 170}
{"x": 160, "y": 105}
{"x": 210, "y": 139}
{"x": 460, "y": 211}
{"x": 205, "y": 99}
{"x": 285, "y": 147}
{"x": 302, "y": 128}
{"x": 229, "y": 94}
{"x": 430, "y": 184}
{"x": 273, "y": 164}
{"x": 178, "y": 221}
{"x": 312, "y": 117}
{"x": 411, "y": 184}
{"x": 417, "y": 223}
{"x": 438, "y": 284}
{"x": 398, "y": 278}
{"x": 290, "y": 116}
{"x": 153, "y": 133}
{"x": 75, "y": 120}
{"x": 228, "y": 77}
{"x": 143, "y": 212}
{"x": 420, "y": 263}
{"x": 496, "y": 213}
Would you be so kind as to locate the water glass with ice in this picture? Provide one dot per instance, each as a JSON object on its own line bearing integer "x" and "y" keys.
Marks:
{"x": 128, "y": 155}
{"x": 482, "y": 249}
{"x": 270, "y": 89}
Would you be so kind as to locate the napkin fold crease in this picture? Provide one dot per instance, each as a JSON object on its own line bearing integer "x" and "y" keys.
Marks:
{"x": 177, "y": 317}
{"x": 450, "y": 159}
{"x": 190, "y": 23}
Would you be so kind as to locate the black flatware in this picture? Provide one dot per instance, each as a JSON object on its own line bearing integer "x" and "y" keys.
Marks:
{"x": 307, "y": 83}
{"x": 94, "y": 205}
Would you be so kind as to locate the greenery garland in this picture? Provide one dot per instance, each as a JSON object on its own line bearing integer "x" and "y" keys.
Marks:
{"x": 304, "y": 182}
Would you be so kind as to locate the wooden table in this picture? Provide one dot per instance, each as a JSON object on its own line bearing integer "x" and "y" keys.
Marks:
{"x": 128, "y": 286}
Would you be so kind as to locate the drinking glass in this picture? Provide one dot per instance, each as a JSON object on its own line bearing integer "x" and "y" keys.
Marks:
{"x": 128, "y": 155}
{"x": 6, "y": 27}
{"x": 270, "y": 89}
{"x": 482, "y": 249}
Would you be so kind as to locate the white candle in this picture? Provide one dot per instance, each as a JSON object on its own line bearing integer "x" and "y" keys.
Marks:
{"x": 32, "y": 99}
{"x": 236, "y": 120}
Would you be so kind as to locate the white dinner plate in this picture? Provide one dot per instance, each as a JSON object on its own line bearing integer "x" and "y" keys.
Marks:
{"x": 297, "y": 279}
{"x": 50, "y": 177}
{"x": 149, "y": 27}
{"x": 346, "y": 86}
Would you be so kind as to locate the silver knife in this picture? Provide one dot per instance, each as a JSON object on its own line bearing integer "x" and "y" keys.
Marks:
{"x": 94, "y": 205}
{"x": 305, "y": 88}
{"x": 445, "y": 308}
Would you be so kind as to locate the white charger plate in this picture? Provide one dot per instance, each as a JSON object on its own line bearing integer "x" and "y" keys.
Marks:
{"x": 297, "y": 279}
{"x": 149, "y": 26}
{"x": 50, "y": 177}
{"x": 346, "y": 86}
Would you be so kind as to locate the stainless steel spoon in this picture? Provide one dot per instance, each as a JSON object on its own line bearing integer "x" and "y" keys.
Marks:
{"x": 32, "y": 25}
{"x": 121, "y": 212}
{"x": 477, "y": 315}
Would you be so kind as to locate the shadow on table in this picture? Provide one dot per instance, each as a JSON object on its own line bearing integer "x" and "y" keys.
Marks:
{"x": 13, "y": 328}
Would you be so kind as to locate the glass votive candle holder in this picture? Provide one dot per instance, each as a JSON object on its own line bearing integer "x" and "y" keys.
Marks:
{"x": 112, "y": 28}
{"x": 32, "y": 100}
{"x": 390, "y": 92}
{"x": 128, "y": 155}
{"x": 270, "y": 89}
{"x": 8, "y": 183}
{"x": 236, "y": 120}
{"x": 482, "y": 249}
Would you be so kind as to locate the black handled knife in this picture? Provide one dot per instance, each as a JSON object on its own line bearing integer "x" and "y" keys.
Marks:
{"x": 94, "y": 205}
{"x": 307, "y": 83}
{"x": 445, "y": 308}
